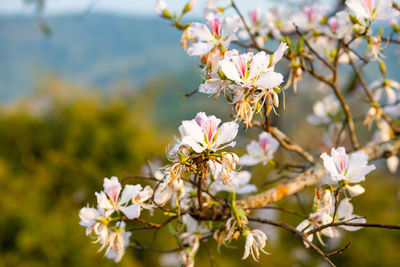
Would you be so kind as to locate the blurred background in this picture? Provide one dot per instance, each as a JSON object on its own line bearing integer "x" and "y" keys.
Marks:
{"x": 91, "y": 89}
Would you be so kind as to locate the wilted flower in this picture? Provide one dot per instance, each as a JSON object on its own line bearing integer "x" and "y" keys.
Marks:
{"x": 203, "y": 133}
{"x": 118, "y": 242}
{"x": 374, "y": 48}
{"x": 255, "y": 241}
{"x": 261, "y": 150}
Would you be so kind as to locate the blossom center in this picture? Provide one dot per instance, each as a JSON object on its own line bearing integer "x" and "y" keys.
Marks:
{"x": 215, "y": 25}
{"x": 342, "y": 163}
{"x": 310, "y": 14}
{"x": 209, "y": 129}
{"x": 254, "y": 16}
{"x": 369, "y": 5}
{"x": 242, "y": 62}
{"x": 263, "y": 144}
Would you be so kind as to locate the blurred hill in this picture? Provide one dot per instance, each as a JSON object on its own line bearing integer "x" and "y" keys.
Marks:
{"x": 95, "y": 50}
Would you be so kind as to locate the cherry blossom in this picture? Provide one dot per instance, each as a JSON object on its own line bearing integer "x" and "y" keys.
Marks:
{"x": 261, "y": 150}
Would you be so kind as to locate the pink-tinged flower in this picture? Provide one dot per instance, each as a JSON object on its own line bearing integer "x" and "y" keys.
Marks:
{"x": 261, "y": 150}
{"x": 255, "y": 241}
{"x": 340, "y": 24}
{"x": 130, "y": 203}
{"x": 372, "y": 10}
{"x": 212, "y": 39}
{"x": 310, "y": 17}
{"x": 256, "y": 25}
{"x": 326, "y": 111}
{"x": 341, "y": 167}
{"x": 203, "y": 133}
{"x": 278, "y": 22}
{"x": 249, "y": 70}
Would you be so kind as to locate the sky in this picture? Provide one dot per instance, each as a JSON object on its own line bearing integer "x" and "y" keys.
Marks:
{"x": 133, "y": 7}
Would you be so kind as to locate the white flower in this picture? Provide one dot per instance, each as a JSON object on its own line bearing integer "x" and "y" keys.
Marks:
{"x": 372, "y": 10}
{"x": 345, "y": 213}
{"x": 324, "y": 205}
{"x": 109, "y": 200}
{"x": 167, "y": 190}
{"x": 310, "y": 17}
{"x": 220, "y": 31}
{"x": 326, "y": 111}
{"x": 255, "y": 241}
{"x": 388, "y": 87}
{"x": 203, "y": 133}
{"x": 278, "y": 22}
{"x": 384, "y": 134}
{"x": 249, "y": 70}
{"x": 260, "y": 151}
{"x": 213, "y": 84}
{"x": 392, "y": 163}
{"x": 257, "y": 27}
{"x": 340, "y": 24}
{"x": 161, "y": 8}
{"x": 314, "y": 221}
{"x": 341, "y": 167}
{"x": 191, "y": 238}
{"x": 238, "y": 182}
{"x": 89, "y": 218}
{"x": 115, "y": 238}
{"x": 118, "y": 242}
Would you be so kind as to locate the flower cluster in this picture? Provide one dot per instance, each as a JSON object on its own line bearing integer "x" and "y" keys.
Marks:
{"x": 343, "y": 172}
{"x": 106, "y": 222}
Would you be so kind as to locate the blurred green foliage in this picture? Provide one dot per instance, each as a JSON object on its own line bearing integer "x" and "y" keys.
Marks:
{"x": 57, "y": 145}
